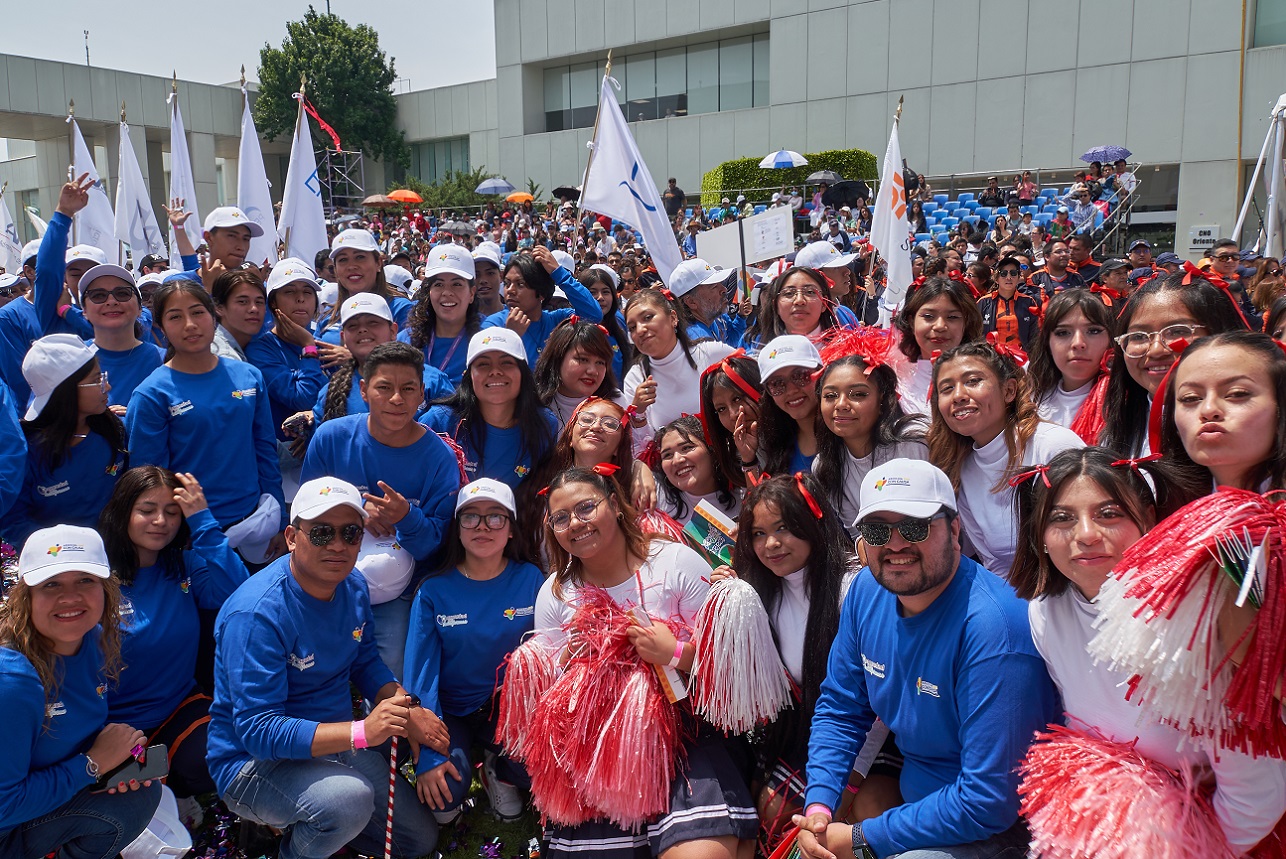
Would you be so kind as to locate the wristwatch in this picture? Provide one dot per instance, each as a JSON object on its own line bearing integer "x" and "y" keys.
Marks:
{"x": 861, "y": 849}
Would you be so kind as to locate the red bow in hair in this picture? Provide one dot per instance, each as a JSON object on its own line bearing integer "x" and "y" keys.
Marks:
{"x": 605, "y": 469}
{"x": 1040, "y": 470}
{"x": 1133, "y": 462}
{"x": 1191, "y": 271}
{"x": 725, "y": 366}
{"x": 808, "y": 496}
{"x": 575, "y": 318}
{"x": 1013, "y": 353}
{"x": 915, "y": 284}
{"x": 960, "y": 278}
{"x": 1107, "y": 292}
{"x": 669, "y": 296}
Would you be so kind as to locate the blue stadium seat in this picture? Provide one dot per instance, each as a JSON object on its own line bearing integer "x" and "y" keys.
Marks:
{"x": 1029, "y": 210}
{"x": 965, "y": 197}
{"x": 760, "y": 209}
{"x": 930, "y": 207}
{"x": 971, "y": 205}
{"x": 950, "y": 223}
{"x": 1048, "y": 192}
{"x": 940, "y": 199}
{"x": 688, "y": 211}
{"x": 923, "y": 237}
{"x": 961, "y": 213}
{"x": 1043, "y": 219}
{"x": 983, "y": 211}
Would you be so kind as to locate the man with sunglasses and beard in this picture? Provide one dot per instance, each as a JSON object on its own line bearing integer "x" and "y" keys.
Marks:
{"x": 939, "y": 649}
{"x": 284, "y": 749}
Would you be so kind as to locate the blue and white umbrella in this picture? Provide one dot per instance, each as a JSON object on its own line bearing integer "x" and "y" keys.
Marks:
{"x": 1106, "y": 154}
{"x": 494, "y": 186}
{"x": 783, "y": 159}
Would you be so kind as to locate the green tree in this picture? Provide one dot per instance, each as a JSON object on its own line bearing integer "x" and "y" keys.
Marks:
{"x": 350, "y": 82}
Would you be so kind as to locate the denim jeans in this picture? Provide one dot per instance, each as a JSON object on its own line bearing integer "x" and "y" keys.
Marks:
{"x": 88, "y": 826}
{"x": 392, "y": 622}
{"x": 478, "y": 727}
{"x": 327, "y": 803}
{"x": 1010, "y": 844}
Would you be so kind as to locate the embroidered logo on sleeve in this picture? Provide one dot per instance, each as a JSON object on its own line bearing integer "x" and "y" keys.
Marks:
{"x": 357, "y": 633}
{"x": 873, "y": 668}
{"x": 446, "y": 621}
{"x": 302, "y": 664}
{"x": 58, "y": 708}
{"x": 53, "y": 491}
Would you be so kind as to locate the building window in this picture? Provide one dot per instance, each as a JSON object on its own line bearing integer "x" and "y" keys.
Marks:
{"x": 1270, "y": 23}
{"x": 726, "y": 75}
{"x": 433, "y": 160}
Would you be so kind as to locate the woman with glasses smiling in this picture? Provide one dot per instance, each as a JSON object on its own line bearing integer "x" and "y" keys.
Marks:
{"x": 112, "y": 304}
{"x": 1266, "y": 286}
{"x": 468, "y": 616}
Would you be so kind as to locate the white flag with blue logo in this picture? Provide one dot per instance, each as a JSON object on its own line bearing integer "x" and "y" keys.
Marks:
{"x": 303, "y": 221}
{"x": 10, "y": 247}
{"x": 136, "y": 223}
{"x": 618, "y": 184}
{"x": 182, "y": 182}
{"x": 95, "y": 224}
{"x": 890, "y": 229}
{"x": 253, "y": 196}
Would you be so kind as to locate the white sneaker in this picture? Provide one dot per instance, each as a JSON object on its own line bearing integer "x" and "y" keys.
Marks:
{"x": 506, "y": 801}
{"x": 190, "y": 812}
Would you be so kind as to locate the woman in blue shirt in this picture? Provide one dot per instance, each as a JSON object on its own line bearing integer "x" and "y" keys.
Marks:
{"x": 55, "y": 664}
{"x": 286, "y": 353}
{"x": 788, "y": 366}
{"x": 75, "y": 444}
{"x": 446, "y": 312}
{"x": 112, "y": 305}
{"x": 495, "y": 415}
{"x": 147, "y": 527}
{"x": 530, "y": 280}
{"x": 359, "y": 267}
{"x": 207, "y": 415}
{"x": 603, "y": 283}
{"x": 467, "y": 618}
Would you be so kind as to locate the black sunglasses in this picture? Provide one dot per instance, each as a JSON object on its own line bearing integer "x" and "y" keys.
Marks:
{"x": 322, "y": 534}
{"x": 121, "y": 293}
{"x": 912, "y": 530}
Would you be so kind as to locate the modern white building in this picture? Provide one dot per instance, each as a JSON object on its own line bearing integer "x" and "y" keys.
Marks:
{"x": 990, "y": 86}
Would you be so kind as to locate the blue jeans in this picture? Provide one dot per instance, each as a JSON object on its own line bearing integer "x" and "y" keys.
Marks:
{"x": 88, "y": 826}
{"x": 479, "y": 726}
{"x": 327, "y": 803}
{"x": 392, "y": 622}
{"x": 1010, "y": 844}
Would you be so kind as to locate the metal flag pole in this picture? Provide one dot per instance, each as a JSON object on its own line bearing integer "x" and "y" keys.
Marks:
{"x": 120, "y": 245}
{"x": 71, "y": 165}
{"x": 607, "y": 71}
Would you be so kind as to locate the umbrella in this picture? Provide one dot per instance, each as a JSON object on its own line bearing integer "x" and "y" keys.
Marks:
{"x": 379, "y": 201}
{"x": 828, "y": 177}
{"x": 846, "y": 193}
{"x": 519, "y": 197}
{"x": 495, "y": 185}
{"x": 456, "y": 228}
{"x": 404, "y": 196}
{"x": 1106, "y": 154}
{"x": 566, "y": 193}
{"x": 782, "y": 159}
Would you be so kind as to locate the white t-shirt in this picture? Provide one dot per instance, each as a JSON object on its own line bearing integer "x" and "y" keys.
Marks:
{"x": 671, "y": 585}
{"x": 1250, "y": 794}
{"x": 855, "y": 470}
{"x": 989, "y": 518}
{"x": 678, "y": 385}
{"x": 1060, "y": 406}
{"x": 913, "y": 386}
{"x": 789, "y": 618}
{"x": 690, "y": 502}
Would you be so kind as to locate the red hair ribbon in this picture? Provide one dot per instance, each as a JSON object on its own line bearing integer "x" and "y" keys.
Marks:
{"x": 669, "y": 296}
{"x": 605, "y": 469}
{"x": 1013, "y": 353}
{"x": 1134, "y": 462}
{"x": 1191, "y": 271}
{"x": 915, "y": 284}
{"x": 1107, "y": 292}
{"x": 575, "y": 318}
{"x": 960, "y": 278}
{"x": 808, "y": 496}
{"x": 541, "y": 493}
{"x": 725, "y": 366}
{"x": 935, "y": 355}
{"x": 1158, "y": 400}
{"x": 1040, "y": 470}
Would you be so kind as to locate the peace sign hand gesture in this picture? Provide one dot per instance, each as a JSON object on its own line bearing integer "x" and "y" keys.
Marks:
{"x": 176, "y": 213}
{"x": 386, "y": 511}
{"x": 74, "y": 195}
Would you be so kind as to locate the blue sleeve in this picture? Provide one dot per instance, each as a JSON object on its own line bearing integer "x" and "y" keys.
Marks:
{"x": 1002, "y": 700}
{"x": 51, "y": 265}
{"x": 258, "y": 689}
{"x": 438, "y": 419}
{"x": 215, "y": 568}
{"x": 843, "y": 715}
{"x": 368, "y": 672}
{"x": 26, "y": 794}
{"x": 266, "y": 450}
{"x": 190, "y": 262}
{"x": 319, "y": 407}
{"x": 422, "y": 667}
{"x": 420, "y": 530}
{"x": 13, "y": 451}
{"x": 436, "y": 384}
{"x": 148, "y": 425}
{"x": 496, "y": 320}
{"x": 586, "y": 305}
{"x": 295, "y": 388}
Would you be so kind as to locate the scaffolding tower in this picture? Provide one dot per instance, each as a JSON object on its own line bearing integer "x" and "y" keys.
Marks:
{"x": 343, "y": 183}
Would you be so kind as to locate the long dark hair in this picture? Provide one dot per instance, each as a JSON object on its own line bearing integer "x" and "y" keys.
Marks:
{"x": 722, "y": 446}
{"x": 689, "y": 428}
{"x": 1125, "y": 407}
{"x": 50, "y": 433}
{"x": 567, "y": 568}
{"x": 611, "y": 321}
{"x": 1043, "y": 375}
{"x": 423, "y": 320}
{"x": 566, "y": 338}
{"x": 451, "y": 554}
{"x": 1263, "y": 350}
{"x": 658, "y": 300}
{"x": 770, "y": 323}
{"x": 829, "y": 558}
{"x": 167, "y": 291}
{"x": 893, "y": 426}
{"x": 113, "y": 524}
{"x": 778, "y": 433}
{"x": 959, "y": 294}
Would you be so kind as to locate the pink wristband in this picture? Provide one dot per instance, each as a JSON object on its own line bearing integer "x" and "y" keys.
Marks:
{"x": 815, "y": 808}
{"x": 678, "y": 654}
{"x": 359, "y": 734}
{"x": 62, "y": 311}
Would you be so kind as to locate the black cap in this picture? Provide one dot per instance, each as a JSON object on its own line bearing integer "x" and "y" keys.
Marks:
{"x": 153, "y": 259}
{"x": 1113, "y": 265}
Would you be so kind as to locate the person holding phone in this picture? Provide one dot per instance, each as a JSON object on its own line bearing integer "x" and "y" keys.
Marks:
{"x": 59, "y": 650}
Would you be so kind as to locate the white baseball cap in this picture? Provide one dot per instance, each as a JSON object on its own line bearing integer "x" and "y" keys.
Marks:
{"x": 61, "y": 549}
{"x": 822, "y": 255}
{"x": 691, "y": 273}
{"x": 320, "y": 494}
{"x": 365, "y": 302}
{"x": 609, "y": 271}
{"x": 7, "y": 280}
{"x": 30, "y": 250}
{"x": 565, "y": 259}
{"x": 230, "y": 216}
{"x": 487, "y": 252}
{"x": 788, "y": 350}
{"x": 775, "y": 270}
{"x": 85, "y": 253}
{"x": 50, "y": 361}
{"x": 354, "y": 240}
{"x": 290, "y": 270}
{"x": 386, "y": 566}
{"x": 156, "y": 277}
{"x": 912, "y": 487}
{"x": 496, "y": 340}
{"x": 398, "y": 276}
{"x": 106, "y": 270}
{"x": 486, "y": 489}
{"x": 450, "y": 259}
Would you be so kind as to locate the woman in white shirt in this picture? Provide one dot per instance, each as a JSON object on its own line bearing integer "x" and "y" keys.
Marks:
{"x": 1067, "y": 363}
{"x": 936, "y": 317}
{"x": 688, "y": 473}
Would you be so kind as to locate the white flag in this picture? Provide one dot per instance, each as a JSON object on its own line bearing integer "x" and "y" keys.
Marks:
{"x": 253, "y": 196}
{"x": 10, "y": 247}
{"x": 182, "y": 182}
{"x": 38, "y": 223}
{"x": 618, "y": 184}
{"x": 136, "y": 223}
{"x": 890, "y": 231}
{"x": 303, "y": 222}
{"x": 95, "y": 224}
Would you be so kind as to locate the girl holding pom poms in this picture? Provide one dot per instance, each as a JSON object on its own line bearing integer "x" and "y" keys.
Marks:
{"x": 1139, "y": 776}
{"x": 678, "y": 799}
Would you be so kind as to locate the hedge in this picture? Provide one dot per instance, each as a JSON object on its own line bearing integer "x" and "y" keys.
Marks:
{"x": 742, "y": 173}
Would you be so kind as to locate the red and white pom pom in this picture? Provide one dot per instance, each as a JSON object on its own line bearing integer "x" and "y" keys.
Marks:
{"x": 552, "y": 789}
{"x": 1085, "y": 797}
{"x": 655, "y": 522}
{"x": 530, "y": 671}
{"x": 738, "y": 680}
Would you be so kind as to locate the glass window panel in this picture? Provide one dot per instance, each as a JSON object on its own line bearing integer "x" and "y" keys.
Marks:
{"x": 760, "y": 50}
{"x": 584, "y": 80}
{"x": 1270, "y": 23}
{"x": 736, "y": 61}
{"x": 640, "y": 92}
{"x": 557, "y": 98}
{"x": 671, "y": 82}
{"x": 703, "y": 78}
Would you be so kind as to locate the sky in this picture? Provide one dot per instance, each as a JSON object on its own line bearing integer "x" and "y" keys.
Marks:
{"x": 433, "y": 43}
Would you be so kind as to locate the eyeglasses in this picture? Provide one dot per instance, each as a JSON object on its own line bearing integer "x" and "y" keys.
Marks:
{"x": 8, "y": 291}
{"x": 1009, "y": 272}
{"x": 121, "y": 293}
{"x": 1226, "y": 257}
{"x": 322, "y": 534}
{"x": 100, "y": 382}
{"x": 561, "y": 520}
{"x": 800, "y": 378}
{"x": 471, "y": 521}
{"x": 809, "y": 293}
{"x": 589, "y": 421}
{"x": 912, "y": 530}
{"x": 1273, "y": 273}
{"x": 1136, "y": 343}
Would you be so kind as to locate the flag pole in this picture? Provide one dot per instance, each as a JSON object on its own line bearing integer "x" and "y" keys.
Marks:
{"x": 71, "y": 165}
{"x": 299, "y": 116}
{"x": 120, "y": 245}
{"x": 607, "y": 71}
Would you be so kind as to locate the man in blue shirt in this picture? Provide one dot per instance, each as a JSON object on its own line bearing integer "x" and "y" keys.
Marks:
{"x": 283, "y": 748}
{"x": 939, "y": 649}
{"x": 703, "y": 290}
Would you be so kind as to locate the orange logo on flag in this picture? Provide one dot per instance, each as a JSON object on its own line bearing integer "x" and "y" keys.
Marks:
{"x": 898, "y": 191}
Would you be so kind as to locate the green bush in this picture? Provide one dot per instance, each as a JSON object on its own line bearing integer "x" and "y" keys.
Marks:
{"x": 741, "y": 173}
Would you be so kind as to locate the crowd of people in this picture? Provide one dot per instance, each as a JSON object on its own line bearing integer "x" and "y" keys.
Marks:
{"x": 466, "y": 475}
